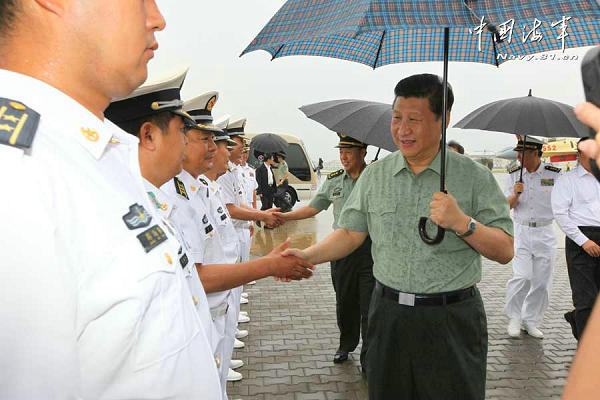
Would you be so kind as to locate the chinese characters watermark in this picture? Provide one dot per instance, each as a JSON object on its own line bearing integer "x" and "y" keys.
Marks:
{"x": 534, "y": 33}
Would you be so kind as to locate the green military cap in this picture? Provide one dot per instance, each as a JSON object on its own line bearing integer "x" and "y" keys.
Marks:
{"x": 347, "y": 142}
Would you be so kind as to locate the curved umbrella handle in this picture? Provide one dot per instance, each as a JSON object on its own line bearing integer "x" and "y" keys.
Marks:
{"x": 425, "y": 237}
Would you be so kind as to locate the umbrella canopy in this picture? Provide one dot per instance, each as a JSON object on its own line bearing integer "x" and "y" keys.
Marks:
{"x": 382, "y": 32}
{"x": 527, "y": 115}
{"x": 268, "y": 143}
{"x": 506, "y": 154}
{"x": 367, "y": 121}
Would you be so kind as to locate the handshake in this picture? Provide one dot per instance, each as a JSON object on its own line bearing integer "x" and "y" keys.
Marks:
{"x": 289, "y": 264}
{"x": 272, "y": 218}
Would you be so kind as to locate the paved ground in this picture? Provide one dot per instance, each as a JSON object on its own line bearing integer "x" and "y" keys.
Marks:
{"x": 293, "y": 336}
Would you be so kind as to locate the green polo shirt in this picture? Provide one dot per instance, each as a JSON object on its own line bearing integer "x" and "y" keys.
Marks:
{"x": 336, "y": 189}
{"x": 388, "y": 201}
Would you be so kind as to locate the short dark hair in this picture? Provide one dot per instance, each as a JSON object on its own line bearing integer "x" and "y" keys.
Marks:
{"x": 162, "y": 120}
{"x": 8, "y": 12}
{"x": 457, "y": 146}
{"x": 428, "y": 86}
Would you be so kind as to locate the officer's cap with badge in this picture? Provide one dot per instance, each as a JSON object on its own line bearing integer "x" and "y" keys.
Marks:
{"x": 223, "y": 136}
{"x": 347, "y": 142}
{"x": 530, "y": 144}
{"x": 200, "y": 108}
{"x": 236, "y": 128}
{"x": 150, "y": 99}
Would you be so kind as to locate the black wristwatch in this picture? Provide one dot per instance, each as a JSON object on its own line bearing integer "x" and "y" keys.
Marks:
{"x": 470, "y": 229}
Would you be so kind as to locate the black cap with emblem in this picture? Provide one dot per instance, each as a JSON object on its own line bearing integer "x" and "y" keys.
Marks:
{"x": 149, "y": 99}
{"x": 347, "y": 142}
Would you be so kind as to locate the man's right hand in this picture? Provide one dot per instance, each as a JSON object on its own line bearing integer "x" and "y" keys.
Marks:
{"x": 591, "y": 248}
{"x": 288, "y": 267}
{"x": 518, "y": 188}
{"x": 271, "y": 218}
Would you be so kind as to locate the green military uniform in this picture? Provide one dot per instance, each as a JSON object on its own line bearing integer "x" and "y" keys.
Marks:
{"x": 280, "y": 171}
{"x": 448, "y": 341}
{"x": 352, "y": 276}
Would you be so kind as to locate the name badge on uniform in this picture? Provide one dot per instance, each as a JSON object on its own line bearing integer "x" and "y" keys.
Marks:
{"x": 548, "y": 182}
{"x": 152, "y": 237}
{"x": 137, "y": 217}
{"x": 337, "y": 193}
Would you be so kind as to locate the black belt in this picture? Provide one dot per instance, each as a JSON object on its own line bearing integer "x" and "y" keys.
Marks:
{"x": 437, "y": 299}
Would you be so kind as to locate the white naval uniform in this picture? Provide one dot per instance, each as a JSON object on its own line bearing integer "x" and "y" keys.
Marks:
{"x": 576, "y": 202}
{"x": 252, "y": 185}
{"x": 184, "y": 222}
{"x": 528, "y": 292}
{"x": 197, "y": 195}
{"x": 231, "y": 252}
{"x": 89, "y": 308}
{"x": 234, "y": 192}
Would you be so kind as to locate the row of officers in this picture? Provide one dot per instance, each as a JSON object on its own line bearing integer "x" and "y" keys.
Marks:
{"x": 143, "y": 251}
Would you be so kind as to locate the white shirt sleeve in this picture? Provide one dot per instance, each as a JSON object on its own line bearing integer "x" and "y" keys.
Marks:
{"x": 227, "y": 189}
{"x": 509, "y": 187}
{"x": 38, "y": 292}
{"x": 562, "y": 200}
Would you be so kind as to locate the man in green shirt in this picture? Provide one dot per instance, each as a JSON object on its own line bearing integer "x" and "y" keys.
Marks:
{"x": 352, "y": 276}
{"x": 427, "y": 325}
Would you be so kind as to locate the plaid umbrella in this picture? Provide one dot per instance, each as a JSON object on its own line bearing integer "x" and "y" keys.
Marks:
{"x": 381, "y": 32}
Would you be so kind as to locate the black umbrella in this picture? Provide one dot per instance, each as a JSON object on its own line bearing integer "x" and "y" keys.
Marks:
{"x": 526, "y": 116}
{"x": 268, "y": 143}
{"x": 367, "y": 121}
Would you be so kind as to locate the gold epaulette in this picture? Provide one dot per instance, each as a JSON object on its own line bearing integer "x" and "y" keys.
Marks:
{"x": 514, "y": 169}
{"x": 552, "y": 168}
{"x": 336, "y": 173}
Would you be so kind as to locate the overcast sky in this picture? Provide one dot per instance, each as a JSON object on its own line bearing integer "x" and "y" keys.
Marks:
{"x": 209, "y": 37}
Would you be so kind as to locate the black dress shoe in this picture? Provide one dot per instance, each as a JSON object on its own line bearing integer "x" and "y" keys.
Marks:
{"x": 570, "y": 317}
{"x": 340, "y": 357}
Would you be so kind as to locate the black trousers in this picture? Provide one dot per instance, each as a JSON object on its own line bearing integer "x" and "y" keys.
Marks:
{"x": 266, "y": 201}
{"x": 426, "y": 352}
{"x": 584, "y": 276}
{"x": 353, "y": 282}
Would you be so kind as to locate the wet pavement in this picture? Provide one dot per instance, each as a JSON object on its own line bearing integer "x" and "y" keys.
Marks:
{"x": 293, "y": 334}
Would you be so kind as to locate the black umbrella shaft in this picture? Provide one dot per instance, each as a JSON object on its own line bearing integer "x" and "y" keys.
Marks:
{"x": 444, "y": 110}
{"x": 523, "y": 158}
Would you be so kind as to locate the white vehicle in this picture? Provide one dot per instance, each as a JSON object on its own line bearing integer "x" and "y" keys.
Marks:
{"x": 303, "y": 179}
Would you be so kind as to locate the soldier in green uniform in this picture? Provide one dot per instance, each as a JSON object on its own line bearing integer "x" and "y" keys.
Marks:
{"x": 352, "y": 276}
{"x": 427, "y": 325}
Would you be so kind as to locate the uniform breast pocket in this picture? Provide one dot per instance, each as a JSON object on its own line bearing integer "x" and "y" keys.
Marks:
{"x": 382, "y": 224}
{"x": 167, "y": 323}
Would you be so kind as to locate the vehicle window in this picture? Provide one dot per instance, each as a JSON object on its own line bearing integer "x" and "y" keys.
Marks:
{"x": 297, "y": 162}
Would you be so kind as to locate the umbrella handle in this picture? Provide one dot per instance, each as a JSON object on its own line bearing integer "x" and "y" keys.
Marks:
{"x": 423, "y": 220}
{"x": 425, "y": 237}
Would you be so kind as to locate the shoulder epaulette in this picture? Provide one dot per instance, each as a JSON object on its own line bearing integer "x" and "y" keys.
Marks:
{"x": 552, "y": 168}
{"x": 18, "y": 124}
{"x": 203, "y": 181}
{"x": 336, "y": 173}
{"x": 514, "y": 169}
{"x": 180, "y": 187}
